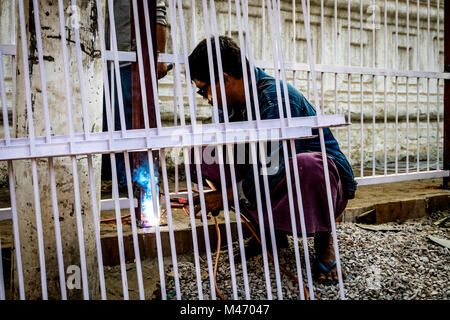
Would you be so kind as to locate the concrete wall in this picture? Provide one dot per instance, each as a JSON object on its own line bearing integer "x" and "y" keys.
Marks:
{"x": 262, "y": 51}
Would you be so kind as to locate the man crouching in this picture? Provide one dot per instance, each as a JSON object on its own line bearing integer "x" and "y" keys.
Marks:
{"x": 307, "y": 152}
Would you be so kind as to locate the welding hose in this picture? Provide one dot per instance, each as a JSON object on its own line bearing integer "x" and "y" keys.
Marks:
{"x": 259, "y": 241}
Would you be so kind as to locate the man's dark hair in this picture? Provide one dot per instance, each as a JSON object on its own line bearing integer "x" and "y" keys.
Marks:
{"x": 229, "y": 52}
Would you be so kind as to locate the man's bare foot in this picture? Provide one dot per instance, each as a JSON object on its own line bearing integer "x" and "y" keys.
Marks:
{"x": 325, "y": 266}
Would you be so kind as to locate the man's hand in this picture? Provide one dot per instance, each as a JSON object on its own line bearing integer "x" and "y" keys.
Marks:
{"x": 161, "y": 69}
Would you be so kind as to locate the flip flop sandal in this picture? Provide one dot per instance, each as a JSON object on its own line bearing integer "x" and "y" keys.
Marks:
{"x": 325, "y": 270}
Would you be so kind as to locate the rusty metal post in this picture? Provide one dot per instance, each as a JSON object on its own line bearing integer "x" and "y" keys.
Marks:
{"x": 446, "y": 182}
{"x": 137, "y": 113}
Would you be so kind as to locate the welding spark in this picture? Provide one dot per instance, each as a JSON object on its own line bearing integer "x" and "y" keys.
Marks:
{"x": 142, "y": 178}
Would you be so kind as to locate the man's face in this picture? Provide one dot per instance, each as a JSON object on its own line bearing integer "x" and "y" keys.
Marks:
{"x": 204, "y": 89}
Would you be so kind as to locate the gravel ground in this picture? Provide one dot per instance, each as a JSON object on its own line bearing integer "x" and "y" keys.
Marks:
{"x": 401, "y": 264}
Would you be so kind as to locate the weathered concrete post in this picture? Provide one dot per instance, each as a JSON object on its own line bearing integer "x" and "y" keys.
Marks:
{"x": 57, "y": 104}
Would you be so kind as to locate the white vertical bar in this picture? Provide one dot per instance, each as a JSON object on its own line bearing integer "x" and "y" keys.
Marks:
{"x": 407, "y": 86}
{"x": 373, "y": 88}
{"x": 41, "y": 71}
{"x": 204, "y": 222}
{"x": 4, "y": 105}
{"x": 80, "y": 228}
{"x": 13, "y": 62}
{"x": 40, "y": 234}
{"x": 115, "y": 194}
{"x": 185, "y": 154}
{"x": 335, "y": 61}
{"x": 361, "y": 52}
{"x": 418, "y": 80}
{"x": 385, "y": 88}
{"x": 230, "y": 154}
{"x": 66, "y": 71}
{"x": 321, "y": 33}
{"x": 59, "y": 250}
{"x": 294, "y": 43}
{"x": 349, "y": 79}
{"x": 17, "y": 246}
{"x": 134, "y": 230}
{"x": 428, "y": 123}
{"x": 385, "y": 125}
{"x": 407, "y": 125}
{"x": 438, "y": 35}
{"x": 170, "y": 222}
{"x": 2, "y": 281}
{"x": 438, "y": 102}
{"x": 418, "y": 123}
{"x": 156, "y": 214}
{"x": 362, "y": 123}
{"x": 152, "y": 67}
{"x": 253, "y": 153}
{"x": 396, "y": 87}
{"x": 80, "y": 71}
{"x": 26, "y": 77}
{"x": 114, "y": 49}
{"x": 219, "y": 148}
{"x": 263, "y": 27}
{"x": 229, "y": 18}
{"x": 287, "y": 168}
{"x": 95, "y": 216}
{"x": 396, "y": 124}
{"x": 325, "y": 161}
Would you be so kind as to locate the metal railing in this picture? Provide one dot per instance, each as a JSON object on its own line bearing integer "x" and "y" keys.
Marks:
{"x": 186, "y": 136}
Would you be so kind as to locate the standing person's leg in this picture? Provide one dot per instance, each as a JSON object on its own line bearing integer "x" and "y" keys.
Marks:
{"x": 125, "y": 77}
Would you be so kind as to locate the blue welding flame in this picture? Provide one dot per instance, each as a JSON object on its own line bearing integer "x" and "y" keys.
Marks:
{"x": 142, "y": 178}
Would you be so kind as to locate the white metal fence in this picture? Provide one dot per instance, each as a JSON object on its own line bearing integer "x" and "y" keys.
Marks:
{"x": 82, "y": 143}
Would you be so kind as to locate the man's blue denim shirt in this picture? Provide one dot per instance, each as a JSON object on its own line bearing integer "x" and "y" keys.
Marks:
{"x": 300, "y": 107}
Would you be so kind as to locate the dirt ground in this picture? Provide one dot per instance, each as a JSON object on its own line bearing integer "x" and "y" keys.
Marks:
{"x": 365, "y": 197}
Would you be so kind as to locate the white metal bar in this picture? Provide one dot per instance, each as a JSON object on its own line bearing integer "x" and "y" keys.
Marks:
{"x": 170, "y": 223}
{"x": 438, "y": 106}
{"x": 66, "y": 72}
{"x": 286, "y": 157}
{"x": 437, "y": 83}
{"x": 330, "y": 68}
{"x": 123, "y": 56}
{"x": 80, "y": 231}
{"x": 13, "y": 62}
{"x": 152, "y": 67}
{"x": 2, "y": 281}
{"x": 17, "y": 246}
{"x": 428, "y": 124}
{"x": 396, "y": 125}
{"x": 80, "y": 71}
{"x": 3, "y": 99}
{"x": 156, "y": 214}
{"x": 253, "y": 153}
{"x": 59, "y": 250}
{"x": 171, "y": 137}
{"x": 41, "y": 70}
{"x": 403, "y": 177}
{"x": 407, "y": 86}
{"x": 219, "y": 148}
{"x": 114, "y": 49}
{"x": 362, "y": 124}
{"x": 325, "y": 161}
{"x": 40, "y": 234}
{"x": 26, "y": 77}
{"x": 95, "y": 216}
{"x": 204, "y": 222}
{"x": 177, "y": 82}
{"x": 115, "y": 194}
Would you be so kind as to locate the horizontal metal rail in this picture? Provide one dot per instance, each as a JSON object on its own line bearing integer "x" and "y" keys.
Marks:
{"x": 167, "y": 137}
